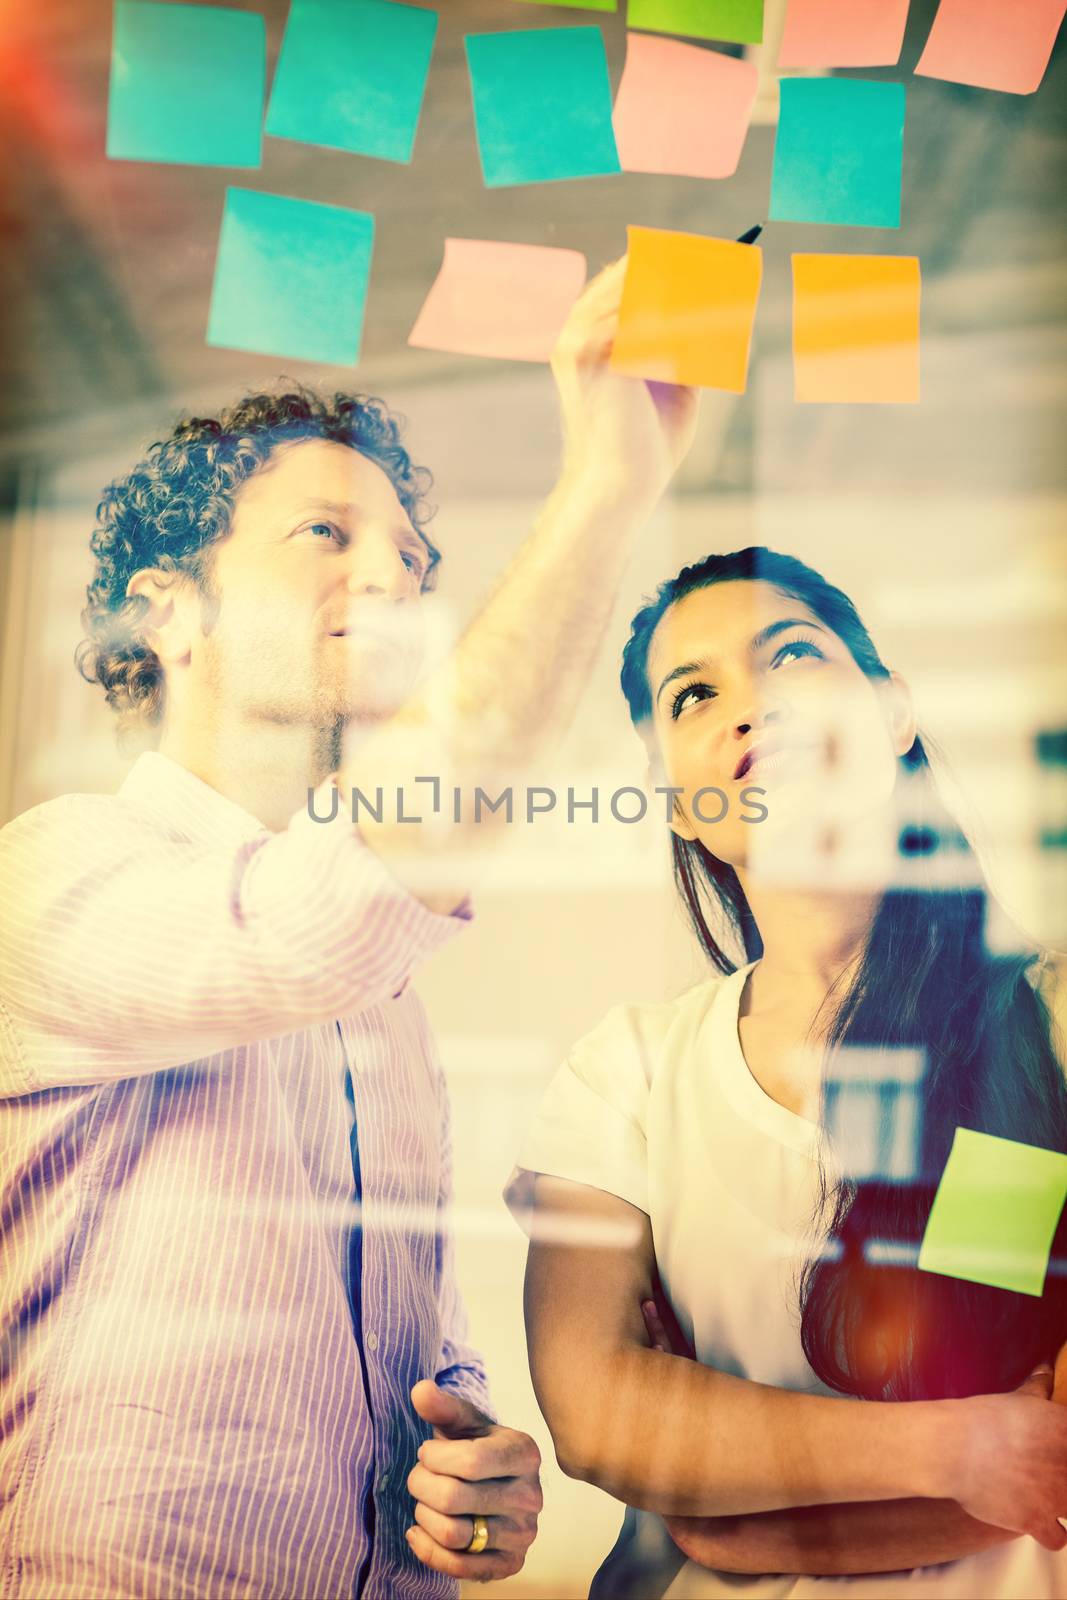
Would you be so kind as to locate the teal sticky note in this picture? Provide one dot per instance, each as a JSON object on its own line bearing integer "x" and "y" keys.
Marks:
{"x": 839, "y": 152}
{"x": 995, "y": 1212}
{"x": 542, "y": 104}
{"x": 291, "y": 277}
{"x": 736, "y": 21}
{"x": 186, "y": 84}
{"x": 352, "y": 75}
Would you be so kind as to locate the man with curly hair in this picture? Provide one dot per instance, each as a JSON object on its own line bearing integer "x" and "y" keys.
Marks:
{"x": 231, "y": 1322}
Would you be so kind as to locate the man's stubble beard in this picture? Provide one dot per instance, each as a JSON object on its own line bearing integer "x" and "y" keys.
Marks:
{"x": 326, "y": 705}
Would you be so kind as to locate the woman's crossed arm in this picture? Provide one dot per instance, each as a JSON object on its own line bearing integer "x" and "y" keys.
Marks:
{"x": 667, "y": 1434}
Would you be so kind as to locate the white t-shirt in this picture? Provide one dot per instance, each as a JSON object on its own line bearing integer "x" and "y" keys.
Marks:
{"x": 657, "y": 1106}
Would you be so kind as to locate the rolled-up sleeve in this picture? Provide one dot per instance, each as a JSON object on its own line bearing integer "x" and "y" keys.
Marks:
{"x": 126, "y": 951}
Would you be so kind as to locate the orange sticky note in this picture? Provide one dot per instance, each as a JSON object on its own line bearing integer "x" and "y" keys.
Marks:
{"x": 688, "y": 306}
{"x": 491, "y": 298}
{"x": 856, "y": 328}
{"x": 994, "y": 44}
{"x": 843, "y": 33}
{"x": 681, "y": 109}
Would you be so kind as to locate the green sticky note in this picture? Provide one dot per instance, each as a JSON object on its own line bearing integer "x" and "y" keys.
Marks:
{"x": 737, "y": 21}
{"x": 995, "y": 1213}
{"x": 542, "y": 104}
{"x": 839, "y": 152}
{"x": 186, "y": 84}
{"x": 291, "y": 277}
{"x": 352, "y": 75}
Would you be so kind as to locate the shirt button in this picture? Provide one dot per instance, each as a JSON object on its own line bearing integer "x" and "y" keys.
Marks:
{"x": 372, "y": 1341}
{"x": 383, "y": 1481}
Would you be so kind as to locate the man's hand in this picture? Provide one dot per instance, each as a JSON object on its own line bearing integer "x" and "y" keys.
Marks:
{"x": 628, "y": 434}
{"x": 472, "y": 1467}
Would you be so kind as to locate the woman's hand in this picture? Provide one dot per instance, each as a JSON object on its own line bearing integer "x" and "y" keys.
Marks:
{"x": 1059, "y": 1382}
{"x": 664, "y": 1331}
{"x": 837, "y": 1540}
{"x": 1011, "y": 1467}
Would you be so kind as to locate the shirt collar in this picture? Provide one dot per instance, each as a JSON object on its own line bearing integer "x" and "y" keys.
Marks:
{"x": 162, "y": 785}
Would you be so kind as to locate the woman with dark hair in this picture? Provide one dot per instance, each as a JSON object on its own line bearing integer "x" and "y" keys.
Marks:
{"x": 753, "y": 1164}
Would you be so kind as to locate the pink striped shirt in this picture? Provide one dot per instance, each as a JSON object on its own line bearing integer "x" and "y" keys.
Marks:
{"x": 206, "y": 1368}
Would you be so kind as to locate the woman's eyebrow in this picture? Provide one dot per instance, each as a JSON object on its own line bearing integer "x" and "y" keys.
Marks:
{"x": 765, "y": 635}
{"x": 683, "y": 672}
{"x": 756, "y": 643}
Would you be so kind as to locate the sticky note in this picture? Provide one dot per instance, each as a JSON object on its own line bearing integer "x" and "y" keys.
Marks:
{"x": 993, "y": 44}
{"x": 839, "y": 152}
{"x": 291, "y": 277}
{"x": 542, "y": 104}
{"x": 682, "y": 109}
{"x": 351, "y": 75}
{"x": 187, "y": 84}
{"x": 735, "y": 21}
{"x": 856, "y": 328}
{"x": 577, "y": 5}
{"x": 843, "y": 33}
{"x": 688, "y": 306}
{"x": 995, "y": 1212}
{"x": 497, "y": 299}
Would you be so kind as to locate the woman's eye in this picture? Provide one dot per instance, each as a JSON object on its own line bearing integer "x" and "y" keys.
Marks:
{"x": 697, "y": 690}
{"x": 797, "y": 648}
{"x": 319, "y": 528}
{"x": 414, "y": 563}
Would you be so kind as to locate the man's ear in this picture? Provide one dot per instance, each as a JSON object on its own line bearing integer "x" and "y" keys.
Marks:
{"x": 166, "y": 624}
{"x": 654, "y": 776}
{"x": 900, "y": 711}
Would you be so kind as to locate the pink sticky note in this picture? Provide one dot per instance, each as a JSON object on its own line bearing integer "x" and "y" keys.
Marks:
{"x": 681, "y": 109}
{"x": 843, "y": 33}
{"x": 994, "y": 44}
{"x": 497, "y": 299}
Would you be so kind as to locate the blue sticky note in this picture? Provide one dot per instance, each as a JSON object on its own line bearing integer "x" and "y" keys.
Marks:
{"x": 291, "y": 277}
{"x": 542, "y": 105}
{"x": 839, "y": 153}
{"x": 352, "y": 75}
{"x": 187, "y": 84}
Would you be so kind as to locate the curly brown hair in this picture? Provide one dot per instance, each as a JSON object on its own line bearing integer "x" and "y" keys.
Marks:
{"x": 175, "y": 505}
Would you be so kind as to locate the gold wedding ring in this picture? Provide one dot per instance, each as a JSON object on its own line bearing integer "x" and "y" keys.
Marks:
{"x": 480, "y": 1537}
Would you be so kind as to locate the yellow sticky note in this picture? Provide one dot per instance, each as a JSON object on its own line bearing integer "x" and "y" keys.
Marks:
{"x": 856, "y": 328}
{"x": 688, "y": 306}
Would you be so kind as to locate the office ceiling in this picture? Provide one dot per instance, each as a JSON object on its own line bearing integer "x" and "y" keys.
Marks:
{"x": 107, "y": 266}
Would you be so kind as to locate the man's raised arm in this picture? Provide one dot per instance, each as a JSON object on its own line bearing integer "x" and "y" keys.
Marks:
{"x": 515, "y": 677}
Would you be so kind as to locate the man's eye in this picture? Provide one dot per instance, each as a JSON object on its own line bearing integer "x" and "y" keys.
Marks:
{"x": 321, "y": 528}
{"x": 414, "y": 563}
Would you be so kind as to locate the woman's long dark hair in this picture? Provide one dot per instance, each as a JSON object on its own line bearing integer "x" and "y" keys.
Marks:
{"x": 872, "y": 1323}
